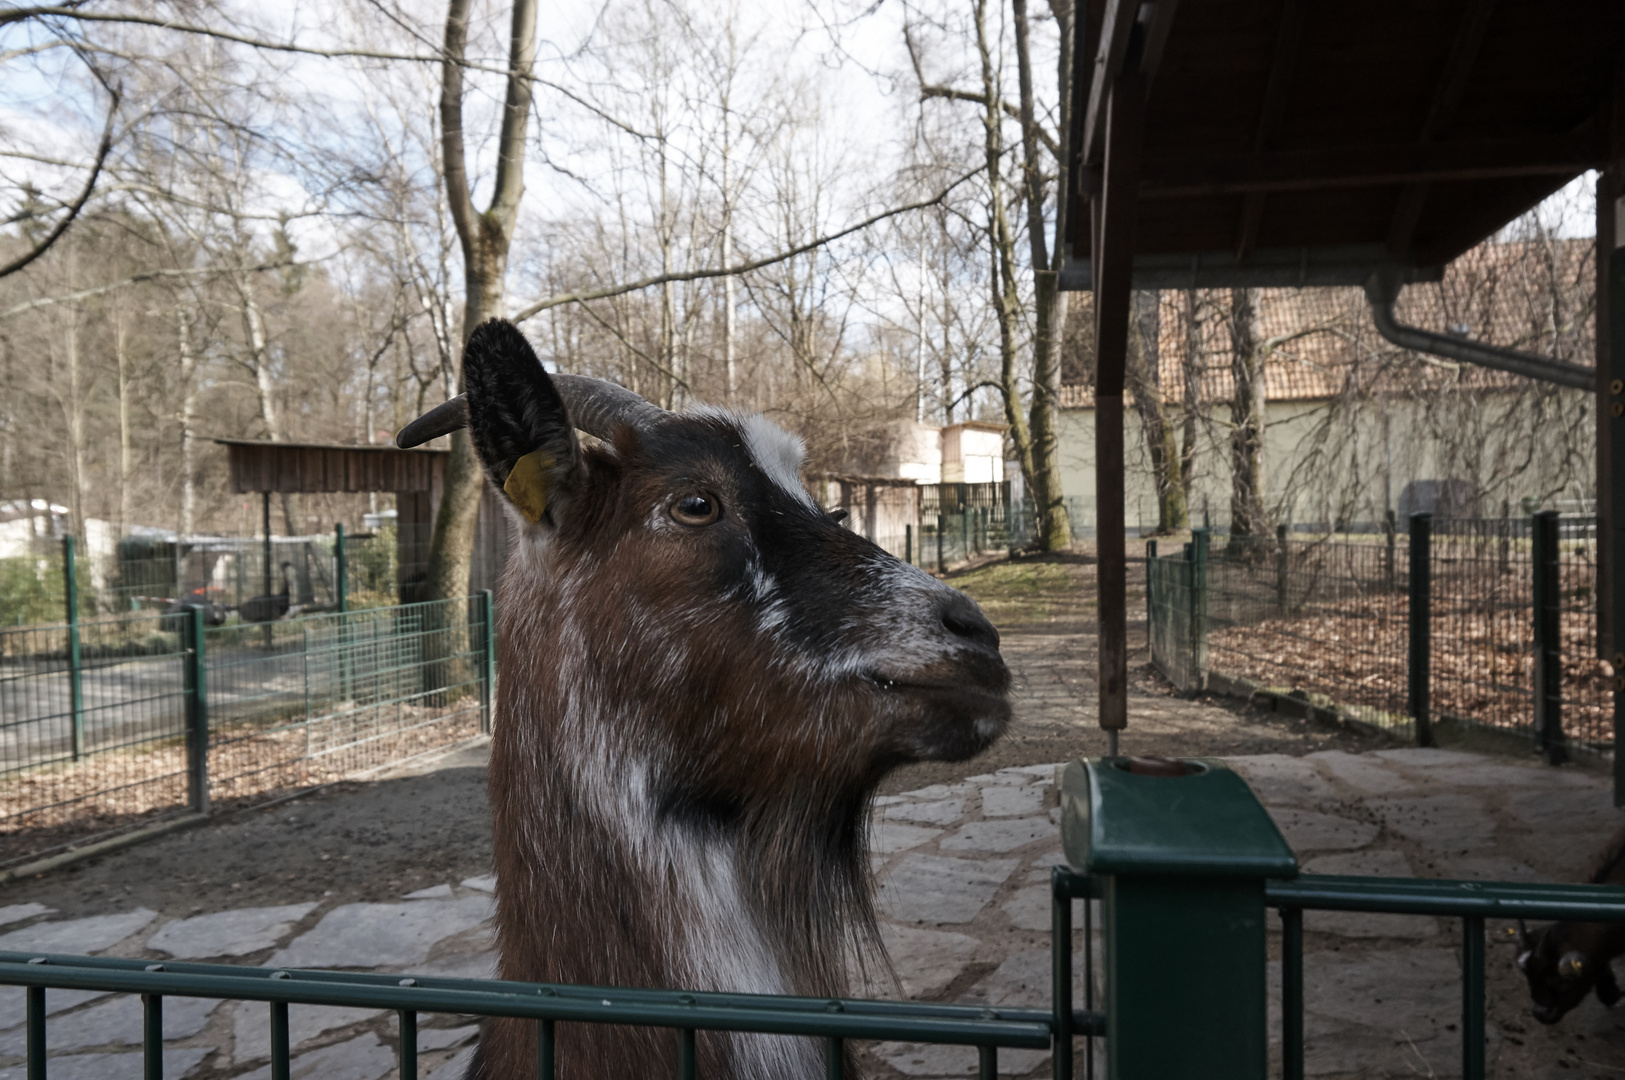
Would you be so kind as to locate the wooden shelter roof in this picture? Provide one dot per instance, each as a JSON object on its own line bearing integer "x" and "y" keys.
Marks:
{"x": 259, "y": 465}
{"x": 1289, "y": 142}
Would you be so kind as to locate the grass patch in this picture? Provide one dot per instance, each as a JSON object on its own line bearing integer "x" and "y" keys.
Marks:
{"x": 1016, "y": 592}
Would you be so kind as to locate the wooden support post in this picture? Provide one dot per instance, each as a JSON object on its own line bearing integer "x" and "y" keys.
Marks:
{"x": 1114, "y": 217}
{"x": 1614, "y": 538}
{"x": 1607, "y": 192}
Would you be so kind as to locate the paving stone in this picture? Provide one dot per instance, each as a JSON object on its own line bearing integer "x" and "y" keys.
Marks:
{"x": 887, "y": 800}
{"x": 1499, "y": 774}
{"x": 433, "y": 892}
{"x": 1003, "y": 776}
{"x": 1043, "y": 773}
{"x": 1428, "y": 757}
{"x": 940, "y": 791}
{"x": 890, "y": 837}
{"x": 931, "y": 888}
{"x": 361, "y": 1058}
{"x": 1360, "y": 924}
{"x": 90, "y": 935}
{"x": 1029, "y": 909}
{"x": 1278, "y": 778}
{"x": 929, "y": 1059}
{"x": 111, "y": 1023}
{"x": 177, "y": 1063}
{"x": 251, "y": 1026}
{"x": 1490, "y": 867}
{"x": 441, "y": 1038}
{"x": 1566, "y": 810}
{"x": 480, "y": 965}
{"x": 1306, "y": 830}
{"x": 1012, "y": 802}
{"x": 1385, "y": 1011}
{"x": 228, "y": 933}
{"x": 1022, "y": 981}
{"x": 485, "y": 883}
{"x": 14, "y": 1003}
{"x": 456, "y": 1068}
{"x": 1381, "y": 863}
{"x": 1000, "y": 835}
{"x": 382, "y": 935}
{"x": 927, "y": 961}
{"x": 1361, "y": 772}
{"x": 18, "y": 912}
{"x": 1447, "y": 822}
{"x": 938, "y": 812}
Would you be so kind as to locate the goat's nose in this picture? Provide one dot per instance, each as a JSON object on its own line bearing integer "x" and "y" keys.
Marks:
{"x": 964, "y": 619}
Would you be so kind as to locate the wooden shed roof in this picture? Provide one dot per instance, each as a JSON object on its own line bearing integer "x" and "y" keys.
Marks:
{"x": 258, "y": 465}
{"x": 1289, "y": 142}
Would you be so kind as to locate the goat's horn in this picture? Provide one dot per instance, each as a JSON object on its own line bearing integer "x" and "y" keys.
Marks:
{"x": 597, "y": 407}
{"x": 443, "y": 419}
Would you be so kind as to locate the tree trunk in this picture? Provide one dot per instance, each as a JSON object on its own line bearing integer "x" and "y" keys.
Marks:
{"x": 1041, "y": 457}
{"x": 1141, "y": 372}
{"x": 188, "y": 421}
{"x": 1191, "y": 370}
{"x": 1247, "y": 514}
{"x": 485, "y": 239}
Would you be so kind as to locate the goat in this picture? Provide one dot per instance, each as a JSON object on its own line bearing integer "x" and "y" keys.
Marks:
{"x": 1565, "y": 961}
{"x": 703, "y": 679}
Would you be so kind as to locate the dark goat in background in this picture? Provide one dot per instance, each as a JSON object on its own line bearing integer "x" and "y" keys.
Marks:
{"x": 1566, "y": 961}
{"x": 703, "y": 678}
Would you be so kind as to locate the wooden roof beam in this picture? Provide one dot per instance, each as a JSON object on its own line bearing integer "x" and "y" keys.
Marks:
{"x": 1447, "y": 95}
{"x": 1367, "y": 166}
{"x": 1116, "y": 30}
{"x": 1283, "y": 64}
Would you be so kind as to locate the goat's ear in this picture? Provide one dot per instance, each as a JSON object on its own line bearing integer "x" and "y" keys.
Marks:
{"x": 518, "y": 422}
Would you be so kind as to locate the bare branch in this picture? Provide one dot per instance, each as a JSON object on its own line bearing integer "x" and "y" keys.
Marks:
{"x": 739, "y": 268}
{"x": 137, "y": 279}
{"x": 1010, "y": 110}
{"x": 78, "y": 204}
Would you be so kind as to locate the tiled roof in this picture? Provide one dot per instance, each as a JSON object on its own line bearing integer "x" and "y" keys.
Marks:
{"x": 1537, "y": 296}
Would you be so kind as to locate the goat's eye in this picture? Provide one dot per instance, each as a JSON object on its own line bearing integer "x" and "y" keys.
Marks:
{"x": 697, "y": 509}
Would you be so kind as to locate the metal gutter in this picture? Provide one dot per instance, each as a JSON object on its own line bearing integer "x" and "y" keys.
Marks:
{"x": 1382, "y": 290}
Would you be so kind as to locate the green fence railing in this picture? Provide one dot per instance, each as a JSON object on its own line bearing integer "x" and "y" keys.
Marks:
{"x": 1185, "y": 862}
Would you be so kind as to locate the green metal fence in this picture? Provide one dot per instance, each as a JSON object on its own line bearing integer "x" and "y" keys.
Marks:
{"x": 833, "y": 1021}
{"x": 114, "y": 721}
{"x": 1490, "y": 623}
{"x": 1183, "y": 864}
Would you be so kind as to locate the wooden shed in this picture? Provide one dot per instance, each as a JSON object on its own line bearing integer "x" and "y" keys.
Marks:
{"x": 414, "y": 476}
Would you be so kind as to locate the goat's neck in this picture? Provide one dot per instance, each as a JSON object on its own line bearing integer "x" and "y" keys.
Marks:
{"x": 603, "y": 879}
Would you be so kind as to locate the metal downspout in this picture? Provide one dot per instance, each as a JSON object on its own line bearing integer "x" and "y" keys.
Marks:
{"x": 1382, "y": 290}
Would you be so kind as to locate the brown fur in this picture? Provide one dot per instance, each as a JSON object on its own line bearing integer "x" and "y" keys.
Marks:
{"x": 1596, "y": 944}
{"x": 631, "y": 654}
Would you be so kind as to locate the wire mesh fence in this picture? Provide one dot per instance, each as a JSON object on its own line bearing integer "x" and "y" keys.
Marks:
{"x": 157, "y": 572}
{"x": 1330, "y": 618}
{"x": 113, "y": 722}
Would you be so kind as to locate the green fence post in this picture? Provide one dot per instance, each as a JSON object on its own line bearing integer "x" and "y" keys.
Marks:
{"x": 1390, "y": 528}
{"x": 964, "y": 531}
{"x": 195, "y": 676}
{"x": 908, "y": 543}
{"x": 76, "y": 689}
{"x": 341, "y": 583}
{"x": 1182, "y": 861}
{"x": 488, "y": 657}
{"x": 1201, "y": 540}
{"x": 942, "y": 521}
{"x": 1280, "y": 568}
{"x": 1150, "y": 599}
{"x": 1419, "y": 678}
{"x": 1548, "y": 639}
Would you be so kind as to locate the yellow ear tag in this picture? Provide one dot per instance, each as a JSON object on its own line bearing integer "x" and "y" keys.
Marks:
{"x": 527, "y": 483}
